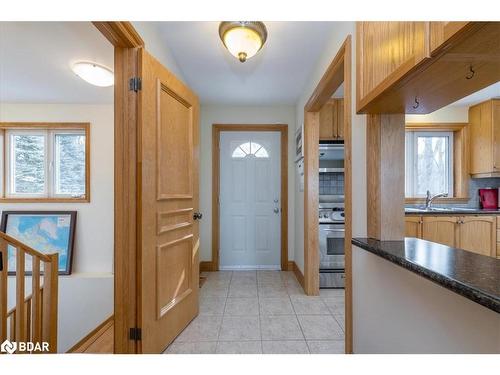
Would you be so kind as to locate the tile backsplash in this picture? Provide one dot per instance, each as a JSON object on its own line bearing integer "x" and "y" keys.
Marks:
{"x": 480, "y": 183}
{"x": 331, "y": 183}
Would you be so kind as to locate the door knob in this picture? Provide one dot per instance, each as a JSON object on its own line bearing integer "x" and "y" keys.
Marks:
{"x": 197, "y": 216}
{"x": 276, "y": 210}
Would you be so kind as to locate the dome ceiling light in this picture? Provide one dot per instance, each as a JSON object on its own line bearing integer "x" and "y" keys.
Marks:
{"x": 95, "y": 74}
{"x": 243, "y": 39}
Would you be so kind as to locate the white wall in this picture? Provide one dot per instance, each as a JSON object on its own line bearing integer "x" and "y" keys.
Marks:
{"x": 86, "y": 296}
{"x": 397, "y": 311}
{"x": 445, "y": 114}
{"x": 358, "y": 142}
{"x": 213, "y": 114}
{"x": 156, "y": 46}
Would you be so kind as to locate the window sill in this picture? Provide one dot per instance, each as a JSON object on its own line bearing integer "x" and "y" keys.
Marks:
{"x": 44, "y": 200}
{"x": 438, "y": 200}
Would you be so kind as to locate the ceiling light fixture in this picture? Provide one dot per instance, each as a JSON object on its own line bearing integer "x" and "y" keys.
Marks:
{"x": 93, "y": 73}
{"x": 243, "y": 39}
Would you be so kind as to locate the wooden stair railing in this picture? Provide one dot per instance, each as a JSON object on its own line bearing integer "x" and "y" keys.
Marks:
{"x": 33, "y": 318}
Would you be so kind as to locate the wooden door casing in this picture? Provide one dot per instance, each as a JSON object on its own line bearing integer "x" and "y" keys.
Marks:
{"x": 168, "y": 188}
{"x": 478, "y": 234}
{"x": 441, "y": 229}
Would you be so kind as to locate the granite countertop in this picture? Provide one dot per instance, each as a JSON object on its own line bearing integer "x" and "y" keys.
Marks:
{"x": 474, "y": 276}
{"x": 451, "y": 211}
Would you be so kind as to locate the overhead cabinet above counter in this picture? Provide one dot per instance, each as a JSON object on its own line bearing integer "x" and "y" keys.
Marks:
{"x": 419, "y": 67}
{"x": 331, "y": 120}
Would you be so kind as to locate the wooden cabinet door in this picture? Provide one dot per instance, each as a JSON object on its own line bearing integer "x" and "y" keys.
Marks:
{"x": 440, "y": 32}
{"x": 478, "y": 234}
{"x": 480, "y": 142}
{"x": 338, "y": 127}
{"x": 440, "y": 229}
{"x": 385, "y": 52}
{"x": 168, "y": 274}
{"x": 326, "y": 115}
{"x": 494, "y": 112}
{"x": 413, "y": 226}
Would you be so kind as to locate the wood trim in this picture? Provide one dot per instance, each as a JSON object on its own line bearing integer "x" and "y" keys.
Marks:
{"x": 436, "y": 126}
{"x": 216, "y": 129}
{"x": 85, "y": 126}
{"x": 120, "y": 33}
{"x": 298, "y": 274}
{"x": 339, "y": 70}
{"x": 126, "y": 42}
{"x": 290, "y": 265}
{"x": 207, "y": 266}
{"x": 92, "y": 336}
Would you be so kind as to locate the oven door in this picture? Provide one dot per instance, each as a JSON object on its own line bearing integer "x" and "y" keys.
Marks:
{"x": 331, "y": 244}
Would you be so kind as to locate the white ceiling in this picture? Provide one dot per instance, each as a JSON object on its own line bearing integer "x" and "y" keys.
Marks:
{"x": 276, "y": 75}
{"x": 489, "y": 92}
{"x": 36, "y": 59}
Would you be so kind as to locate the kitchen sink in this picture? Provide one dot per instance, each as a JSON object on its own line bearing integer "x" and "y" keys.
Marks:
{"x": 439, "y": 209}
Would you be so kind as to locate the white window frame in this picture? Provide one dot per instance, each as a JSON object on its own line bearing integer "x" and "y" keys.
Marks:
{"x": 50, "y": 158}
{"x": 411, "y": 161}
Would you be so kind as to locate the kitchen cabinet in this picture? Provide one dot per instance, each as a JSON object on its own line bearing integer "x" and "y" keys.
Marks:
{"x": 331, "y": 120}
{"x": 484, "y": 139}
{"x": 413, "y": 226}
{"x": 440, "y": 229}
{"x": 477, "y": 234}
{"x": 419, "y": 67}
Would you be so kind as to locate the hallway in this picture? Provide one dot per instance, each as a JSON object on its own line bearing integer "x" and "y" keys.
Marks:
{"x": 252, "y": 312}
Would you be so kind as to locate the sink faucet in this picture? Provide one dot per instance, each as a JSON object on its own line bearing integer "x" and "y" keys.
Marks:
{"x": 429, "y": 199}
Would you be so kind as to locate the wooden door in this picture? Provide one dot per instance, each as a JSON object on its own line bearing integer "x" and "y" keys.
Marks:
{"x": 413, "y": 226}
{"x": 168, "y": 188}
{"x": 478, "y": 234}
{"x": 440, "y": 229}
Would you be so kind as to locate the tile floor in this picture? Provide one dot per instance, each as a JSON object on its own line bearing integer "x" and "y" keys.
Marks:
{"x": 253, "y": 312}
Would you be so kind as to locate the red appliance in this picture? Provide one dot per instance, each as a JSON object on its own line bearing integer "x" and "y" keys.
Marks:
{"x": 488, "y": 198}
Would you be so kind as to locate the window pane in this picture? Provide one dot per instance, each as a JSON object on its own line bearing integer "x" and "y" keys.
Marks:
{"x": 432, "y": 165}
{"x": 28, "y": 164}
{"x": 70, "y": 164}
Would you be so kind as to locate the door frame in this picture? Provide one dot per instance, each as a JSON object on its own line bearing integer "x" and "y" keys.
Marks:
{"x": 338, "y": 72}
{"x": 216, "y": 130}
{"x": 126, "y": 42}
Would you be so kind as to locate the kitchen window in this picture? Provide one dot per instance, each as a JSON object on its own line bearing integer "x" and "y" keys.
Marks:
{"x": 44, "y": 162}
{"x": 429, "y": 163}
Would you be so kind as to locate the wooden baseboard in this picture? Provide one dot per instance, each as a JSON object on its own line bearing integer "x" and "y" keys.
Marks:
{"x": 206, "y": 266}
{"x": 82, "y": 345}
{"x": 298, "y": 274}
{"x": 290, "y": 265}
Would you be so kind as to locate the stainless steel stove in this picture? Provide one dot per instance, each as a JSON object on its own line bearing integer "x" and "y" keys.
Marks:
{"x": 331, "y": 245}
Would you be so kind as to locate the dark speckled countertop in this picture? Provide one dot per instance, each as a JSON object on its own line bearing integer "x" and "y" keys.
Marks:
{"x": 474, "y": 276}
{"x": 450, "y": 211}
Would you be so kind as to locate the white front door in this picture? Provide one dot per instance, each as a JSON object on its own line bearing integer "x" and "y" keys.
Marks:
{"x": 250, "y": 204}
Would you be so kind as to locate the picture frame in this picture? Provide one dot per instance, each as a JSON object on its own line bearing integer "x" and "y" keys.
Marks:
{"x": 44, "y": 231}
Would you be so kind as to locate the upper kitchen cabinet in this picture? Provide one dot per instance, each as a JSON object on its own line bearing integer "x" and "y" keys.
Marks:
{"x": 331, "y": 120}
{"x": 419, "y": 67}
{"x": 484, "y": 139}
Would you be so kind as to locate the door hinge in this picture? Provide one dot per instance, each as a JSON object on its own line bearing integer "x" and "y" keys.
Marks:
{"x": 135, "y": 84}
{"x": 135, "y": 334}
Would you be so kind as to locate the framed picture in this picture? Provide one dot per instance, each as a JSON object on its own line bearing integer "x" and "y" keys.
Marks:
{"x": 45, "y": 231}
{"x": 299, "y": 143}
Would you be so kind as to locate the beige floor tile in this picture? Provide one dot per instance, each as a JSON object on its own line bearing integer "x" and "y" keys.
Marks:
{"x": 285, "y": 347}
{"x": 244, "y": 275}
{"x": 332, "y": 293}
{"x": 280, "y": 327}
{"x": 239, "y": 347}
{"x": 326, "y": 347}
{"x": 220, "y": 275}
{"x": 295, "y": 290}
{"x": 242, "y": 290}
{"x": 214, "y": 290}
{"x": 320, "y": 327}
{"x": 192, "y": 348}
{"x": 242, "y": 306}
{"x": 212, "y": 305}
{"x": 275, "y": 306}
{"x": 340, "y": 320}
{"x": 335, "y": 305}
{"x": 240, "y": 328}
{"x": 202, "y": 328}
{"x": 309, "y": 305}
{"x": 272, "y": 290}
